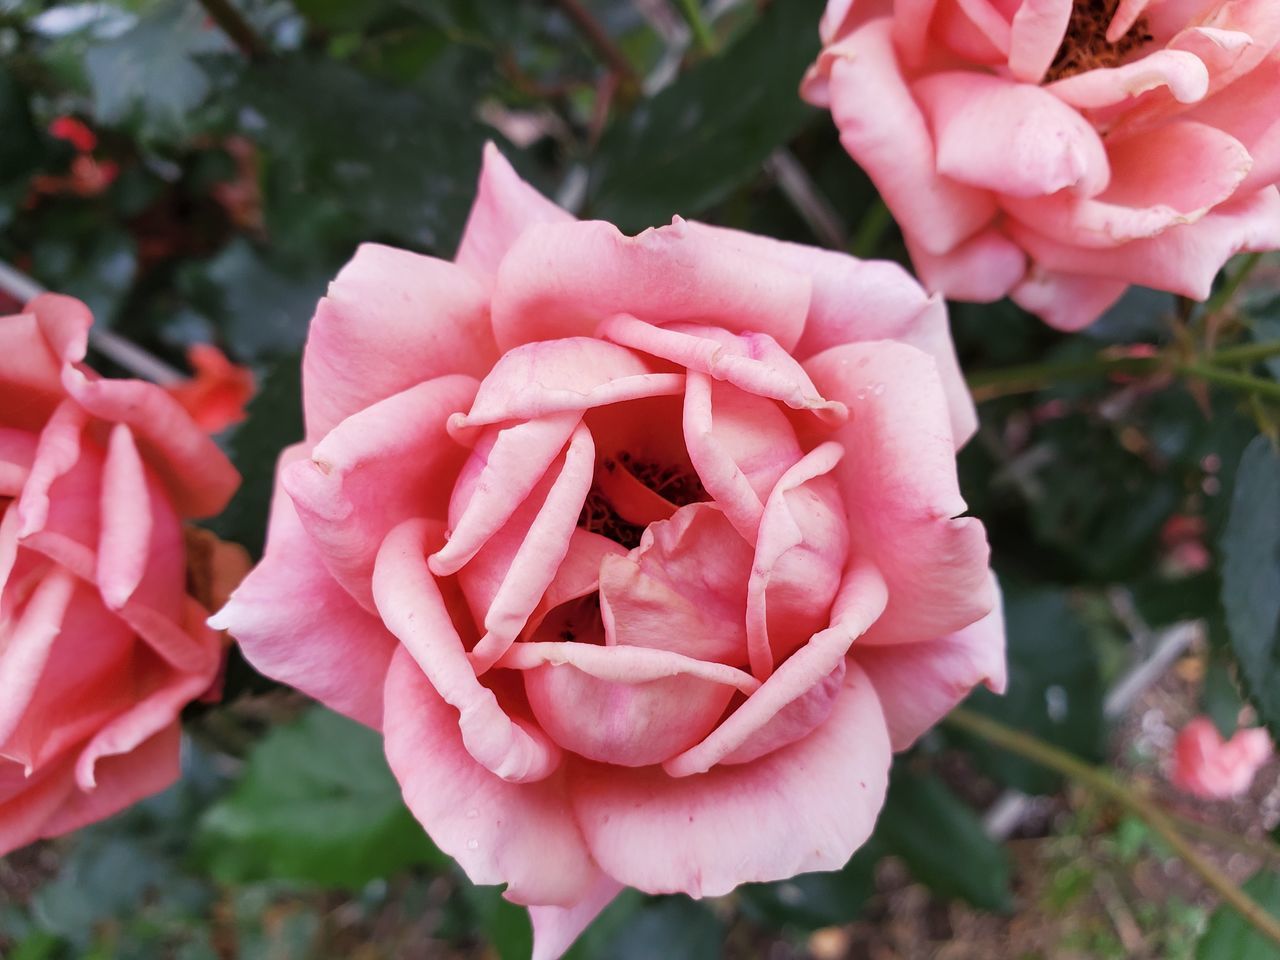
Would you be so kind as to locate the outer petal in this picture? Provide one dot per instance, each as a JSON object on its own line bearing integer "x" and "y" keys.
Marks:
{"x": 29, "y": 383}
{"x": 1011, "y": 138}
{"x": 505, "y": 207}
{"x": 1235, "y": 111}
{"x": 1183, "y": 259}
{"x": 918, "y": 683}
{"x": 887, "y": 134}
{"x": 761, "y": 821}
{"x": 898, "y": 478}
{"x": 385, "y": 464}
{"x": 1067, "y": 301}
{"x": 983, "y": 269}
{"x": 855, "y": 300}
{"x": 556, "y": 928}
{"x": 561, "y": 280}
{"x": 391, "y": 319}
{"x": 1163, "y": 178}
{"x": 499, "y": 832}
{"x": 297, "y": 625}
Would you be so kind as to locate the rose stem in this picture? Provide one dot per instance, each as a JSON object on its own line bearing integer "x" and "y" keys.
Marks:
{"x": 1105, "y": 784}
{"x": 231, "y": 22}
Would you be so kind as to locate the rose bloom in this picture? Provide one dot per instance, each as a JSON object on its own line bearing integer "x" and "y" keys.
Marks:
{"x": 1206, "y": 766}
{"x": 100, "y": 644}
{"x": 1058, "y": 151}
{"x": 643, "y": 552}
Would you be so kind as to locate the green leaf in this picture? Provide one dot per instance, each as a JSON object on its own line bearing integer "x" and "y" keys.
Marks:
{"x": 1231, "y": 937}
{"x": 397, "y": 164}
{"x": 673, "y": 928}
{"x": 20, "y": 147}
{"x": 1055, "y": 691}
{"x": 316, "y": 804}
{"x": 147, "y": 76}
{"x": 942, "y": 841}
{"x": 505, "y": 925}
{"x": 815, "y": 900}
{"x": 691, "y": 145}
{"x": 1251, "y": 577}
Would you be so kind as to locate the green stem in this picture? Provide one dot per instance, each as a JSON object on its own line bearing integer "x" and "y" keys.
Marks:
{"x": 1027, "y": 378}
{"x": 1244, "y": 382}
{"x": 871, "y": 230}
{"x": 702, "y": 35}
{"x": 1105, "y": 784}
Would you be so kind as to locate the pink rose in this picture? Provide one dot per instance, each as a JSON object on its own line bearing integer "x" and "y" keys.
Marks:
{"x": 589, "y": 524}
{"x": 1057, "y": 151}
{"x": 100, "y": 645}
{"x": 1207, "y": 767}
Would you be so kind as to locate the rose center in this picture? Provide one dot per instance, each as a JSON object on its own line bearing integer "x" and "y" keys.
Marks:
{"x": 610, "y": 512}
{"x": 1085, "y": 46}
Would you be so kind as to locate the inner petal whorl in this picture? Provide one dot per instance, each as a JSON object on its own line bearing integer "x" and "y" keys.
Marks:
{"x": 1085, "y": 45}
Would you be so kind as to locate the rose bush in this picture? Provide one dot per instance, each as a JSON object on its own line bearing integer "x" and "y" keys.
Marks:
{"x": 1206, "y": 766}
{"x": 100, "y": 644}
{"x": 1058, "y": 151}
{"x": 643, "y": 552}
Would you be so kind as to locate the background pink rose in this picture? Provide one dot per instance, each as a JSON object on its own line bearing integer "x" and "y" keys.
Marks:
{"x": 100, "y": 644}
{"x": 1058, "y": 151}
{"x": 1206, "y": 766}
{"x": 643, "y": 552}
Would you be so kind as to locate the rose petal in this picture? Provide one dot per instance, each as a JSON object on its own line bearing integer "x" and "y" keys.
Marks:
{"x": 1183, "y": 73}
{"x": 888, "y": 136}
{"x": 505, "y": 206}
{"x": 1012, "y": 138}
{"x": 389, "y": 462}
{"x": 1067, "y": 301}
{"x": 919, "y": 683}
{"x": 561, "y": 280}
{"x": 294, "y": 623}
{"x": 755, "y": 822}
{"x": 898, "y": 478}
{"x": 499, "y": 832}
{"x": 860, "y": 601}
{"x": 1035, "y": 37}
{"x": 412, "y": 608}
{"x": 392, "y": 319}
{"x": 556, "y": 928}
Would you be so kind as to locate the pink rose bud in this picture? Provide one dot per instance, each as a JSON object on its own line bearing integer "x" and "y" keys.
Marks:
{"x": 1058, "y": 151}
{"x": 589, "y": 525}
{"x": 1205, "y": 766}
{"x": 100, "y": 644}
{"x": 216, "y": 396}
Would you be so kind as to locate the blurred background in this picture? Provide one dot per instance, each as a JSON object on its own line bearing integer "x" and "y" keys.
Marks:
{"x": 196, "y": 172}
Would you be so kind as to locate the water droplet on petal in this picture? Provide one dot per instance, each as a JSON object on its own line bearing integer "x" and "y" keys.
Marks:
{"x": 473, "y": 844}
{"x": 878, "y": 389}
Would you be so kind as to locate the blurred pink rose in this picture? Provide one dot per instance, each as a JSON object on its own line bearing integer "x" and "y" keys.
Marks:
{"x": 589, "y": 524}
{"x": 100, "y": 645}
{"x": 1205, "y": 766}
{"x": 218, "y": 393}
{"x": 1058, "y": 151}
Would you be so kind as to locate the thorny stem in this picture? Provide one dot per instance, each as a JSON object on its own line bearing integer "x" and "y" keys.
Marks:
{"x": 1105, "y": 784}
{"x": 232, "y": 22}
{"x": 1027, "y": 378}
{"x": 702, "y": 34}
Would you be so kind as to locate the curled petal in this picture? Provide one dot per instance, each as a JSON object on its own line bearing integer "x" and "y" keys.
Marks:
{"x": 413, "y": 608}
{"x": 1183, "y": 73}
{"x": 704, "y": 835}
{"x": 1067, "y": 301}
{"x": 860, "y": 601}
{"x": 520, "y": 834}
{"x": 982, "y": 269}
{"x": 898, "y": 479}
{"x": 387, "y": 463}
